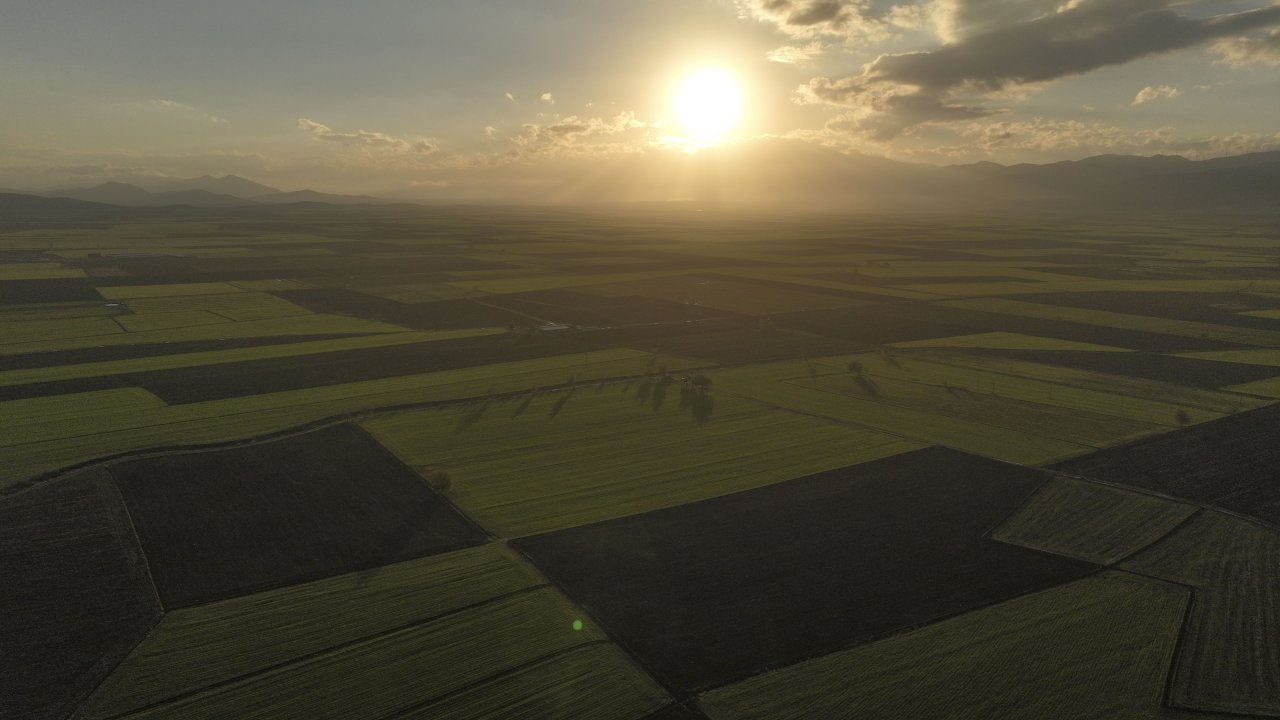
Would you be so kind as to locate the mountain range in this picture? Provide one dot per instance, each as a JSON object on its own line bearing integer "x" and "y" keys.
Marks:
{"x": 204, "y": 192}
{"x": 783, "y": 174}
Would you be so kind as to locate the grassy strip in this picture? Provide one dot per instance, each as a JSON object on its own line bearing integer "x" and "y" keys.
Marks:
{"x": 1092, "y": 522}
{"x": 1098, "y": 647}
{"x": 299, "y": 325}
{"x": 128, "y": 292}
{"x": 560, "y": 460}
{"x": 26, "y": 332}
{"x": 1106, "y": 318}
{"x": 56, "y": 409}
{"x": 214, "y": 357}
{"x": 1006, "y": 341}
{"x": 204, "y": 646}
{"x": 1230, "y": 658}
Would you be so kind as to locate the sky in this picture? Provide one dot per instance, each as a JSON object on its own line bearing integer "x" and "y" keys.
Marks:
{"x": 431, "y": 98}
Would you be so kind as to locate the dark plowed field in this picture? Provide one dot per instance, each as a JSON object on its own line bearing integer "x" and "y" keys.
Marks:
{"x": 714, "y": 591}
{"x": 230, "y": 522}
{"x": 74, "y": 594}
{"x": 255, "y": 377}
{"x": 1233, "y": 463}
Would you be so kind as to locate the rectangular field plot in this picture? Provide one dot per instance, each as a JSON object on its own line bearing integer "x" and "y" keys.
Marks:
{"x": 1091, "y": 521}
{"x": 1230, "y": 655}
{"x": 237, "y": 306}
{"x": 75, "y": 596}
{"x": 1136, "y": 398}
{"x": 715, "y": 591}
{"x": 722, "y": 292}
{"x": 1016, "y": 419}
{"x": 124, "y": 359}
{"x": 201, "y": 647}
{"x": 1233, "y": 463}
{"x": 1125, "y": 321}
{"x": 509, "y": 652}
{"x": 222, "y": 523}
{"x": 37, "y": 330}
{"x": 1008, "y": 341}
{"x": 1096, "y": 648}
{"x": 130, "y": 292}
{"x": 70, "y": 339}
{"x": 1173, "y": 369}
{"x": 253, "y": 377}
{"x": 555, "y": 460}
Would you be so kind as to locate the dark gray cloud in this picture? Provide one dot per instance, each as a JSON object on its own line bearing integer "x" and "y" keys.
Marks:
{"x": 913, "y": 88}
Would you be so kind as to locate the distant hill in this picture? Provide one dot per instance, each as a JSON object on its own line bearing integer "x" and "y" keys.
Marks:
{"x": 233, "y": 185}
{"x": 313, "y": 196}
{"x": 21, "y": 201}
{"x": 117, "y": 193}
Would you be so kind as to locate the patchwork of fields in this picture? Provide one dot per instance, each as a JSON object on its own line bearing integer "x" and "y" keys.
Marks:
{"x": 453, "y": 463}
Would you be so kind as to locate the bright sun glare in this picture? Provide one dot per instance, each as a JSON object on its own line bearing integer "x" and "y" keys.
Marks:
{"x": 707, "y": 105}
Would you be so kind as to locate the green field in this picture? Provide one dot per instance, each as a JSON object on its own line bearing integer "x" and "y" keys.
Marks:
{"x": 1091, "y": 521}
{"x": 554, "y": 460}
{"x": 725, "y": 399}
{"x": 1097, "y": 648}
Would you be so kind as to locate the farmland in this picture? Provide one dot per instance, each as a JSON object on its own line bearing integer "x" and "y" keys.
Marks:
{"x": 408, "y": 462}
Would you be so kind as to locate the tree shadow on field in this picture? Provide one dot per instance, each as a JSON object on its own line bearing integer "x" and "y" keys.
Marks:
{"x": 525, "y": 405}
{"x": 660, "y": 393}
{"x": 471, "y": 415}
{"x": 644, "y": 390}
{"x": 702, "y": 406}
{"x": 868, "y": 386}
{"x": 555, "y": 409}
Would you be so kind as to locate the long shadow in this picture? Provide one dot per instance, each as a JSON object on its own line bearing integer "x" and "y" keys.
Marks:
{"x": 702, "y": 406}
{"x": 644, "y": 390}
{"x": 868, "y": 386}
{"x": 525, "y": 405}
{"x": 555, "y": 409}
{"x": 472, "y": 416}
{"x": 660, "y": 393}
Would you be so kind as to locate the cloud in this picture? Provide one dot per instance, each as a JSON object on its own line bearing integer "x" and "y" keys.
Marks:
{"x": 509, "y": 96}
{"x": 366, "y": 139}
{"x": 547, "y": 98}
{"x": 574, "y": 135}
{"x": 865, "y": 20}
{"x": 896, "y": 92}
{"x": 1155, "y": 92}
{"x": 1239, "y": 52}
{"x": 795, "y": 54}
{"x": 173, "y": 105}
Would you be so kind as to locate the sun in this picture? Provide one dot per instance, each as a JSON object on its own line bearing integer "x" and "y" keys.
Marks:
{"x": 707, "y": 104}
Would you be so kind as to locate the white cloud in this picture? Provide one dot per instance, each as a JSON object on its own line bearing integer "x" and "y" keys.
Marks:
{"x": 509, "y": 96}
{"x": 795, "y": 54}
{"x": 1239, "y": 52}
{"x": 366, "y": 139}
{"x": 1155, "y": 92}
{"x": 181, "y": 107}
{"x": 546, "y": 97}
